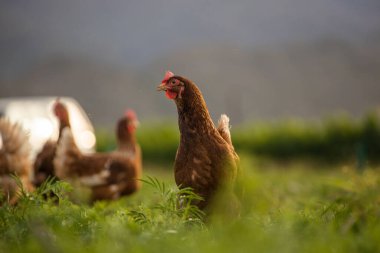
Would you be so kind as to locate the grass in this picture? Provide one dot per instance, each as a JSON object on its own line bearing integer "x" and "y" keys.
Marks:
{"x": 284, "y": 208}
{"x": 335, "y": 139}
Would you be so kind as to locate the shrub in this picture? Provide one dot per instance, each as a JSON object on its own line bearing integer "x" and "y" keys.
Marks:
{"x": 332, "y": 140}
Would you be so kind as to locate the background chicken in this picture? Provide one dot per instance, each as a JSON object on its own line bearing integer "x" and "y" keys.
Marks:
{"x": 110, "y": 175}
{"x": 205, "y": 160}
{"x": 14, "y": 159}
{"x": 43, "y": 165}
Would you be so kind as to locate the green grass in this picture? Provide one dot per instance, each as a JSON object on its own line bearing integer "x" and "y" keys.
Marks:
{"x": 290, "y": 207}
{"x": 335, "y": 139}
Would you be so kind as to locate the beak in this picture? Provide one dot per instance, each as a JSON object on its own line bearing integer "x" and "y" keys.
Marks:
{"x": 136, "y": 123}
{"x": 162, "y": 87}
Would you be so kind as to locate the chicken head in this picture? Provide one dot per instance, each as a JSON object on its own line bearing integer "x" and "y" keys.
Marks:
{"x": 172, "y": 86}
{"x": 60, "y": 111}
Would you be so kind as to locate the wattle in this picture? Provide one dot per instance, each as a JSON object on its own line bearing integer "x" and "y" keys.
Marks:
{"x": 170, "y": 94}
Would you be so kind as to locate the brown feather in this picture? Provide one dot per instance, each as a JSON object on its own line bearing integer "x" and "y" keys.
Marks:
{"x": 43, "y": 164}
{"x": 14, "y": 159}
{"x": 205, "y": 161}
{"x": 110, "y": 175}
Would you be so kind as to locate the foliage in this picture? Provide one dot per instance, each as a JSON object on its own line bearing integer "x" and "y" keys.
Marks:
{"x": 158, "y": 141}
{"x": 332, "y": 140}
{"x": 46, "y": 220}
{"x": 293, "y": 210}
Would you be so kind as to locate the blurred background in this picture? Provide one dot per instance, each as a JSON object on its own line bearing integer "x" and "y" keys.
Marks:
{"x": 256, "y": 60}
{"x": 253, "y": 60}
{"x": 300, "y": 80}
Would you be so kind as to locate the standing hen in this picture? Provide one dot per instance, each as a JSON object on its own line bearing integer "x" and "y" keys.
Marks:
{"x": 109, "y": 175}
{"x": 43, "y": 164}
{"x": 205, "y": 160}
{"x": 14, "y": 159}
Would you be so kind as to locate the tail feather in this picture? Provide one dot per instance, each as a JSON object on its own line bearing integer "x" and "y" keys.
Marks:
{"x": 224, "y": 128}
{"x": 15, "y": 148}
{"x": 15, "y": 153}
{"x": 67, "y": 152}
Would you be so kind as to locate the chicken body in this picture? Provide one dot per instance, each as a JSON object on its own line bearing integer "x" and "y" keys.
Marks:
{"x": 43, "y": 164}
{"x": 109, "y": 175}
{"x": 14, "y": 159}
{"x": 205, "y": 160}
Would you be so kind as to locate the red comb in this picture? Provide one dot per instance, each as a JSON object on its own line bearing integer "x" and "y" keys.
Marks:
{"x": 168, "y": 75}
{"x": 130, "y": 114}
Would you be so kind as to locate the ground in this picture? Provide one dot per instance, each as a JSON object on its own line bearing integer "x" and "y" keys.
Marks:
{"x": 286, "y": 207}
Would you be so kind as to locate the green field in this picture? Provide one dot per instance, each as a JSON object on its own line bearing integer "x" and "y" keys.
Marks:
{"x": 335, "y": 139}
{"x": 285, "y": 207}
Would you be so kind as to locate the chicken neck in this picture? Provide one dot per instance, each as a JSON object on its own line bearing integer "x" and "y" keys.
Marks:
{"x": 193, "y": 116}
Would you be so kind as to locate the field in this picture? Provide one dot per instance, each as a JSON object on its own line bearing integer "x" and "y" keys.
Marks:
{"x": 303, "y": 187}
{"x": 285, "y": 207}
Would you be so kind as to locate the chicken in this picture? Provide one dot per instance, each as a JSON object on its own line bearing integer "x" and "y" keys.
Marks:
{"x": 205, "y": 159}
{"x": 15, "y": 152}
{"x": 43, "y": 164}
{"x": 109, "y": 175}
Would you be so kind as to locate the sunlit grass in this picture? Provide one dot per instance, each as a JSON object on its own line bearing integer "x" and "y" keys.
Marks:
{"x": 287, "y": 207}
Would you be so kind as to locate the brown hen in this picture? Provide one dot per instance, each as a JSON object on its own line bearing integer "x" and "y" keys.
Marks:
{"x": 15, "y": 152}
{"x": 205, "y": 160}
{"x": 43, "y": 164}
{"x": 109, "y": 175}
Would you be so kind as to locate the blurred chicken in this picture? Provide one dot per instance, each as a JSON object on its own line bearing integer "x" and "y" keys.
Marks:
{"x": 205, "y": 160}
{"x": 110, "y": 175}
{"x": 43, "y": 164}
{"x": 14, "y": 159}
